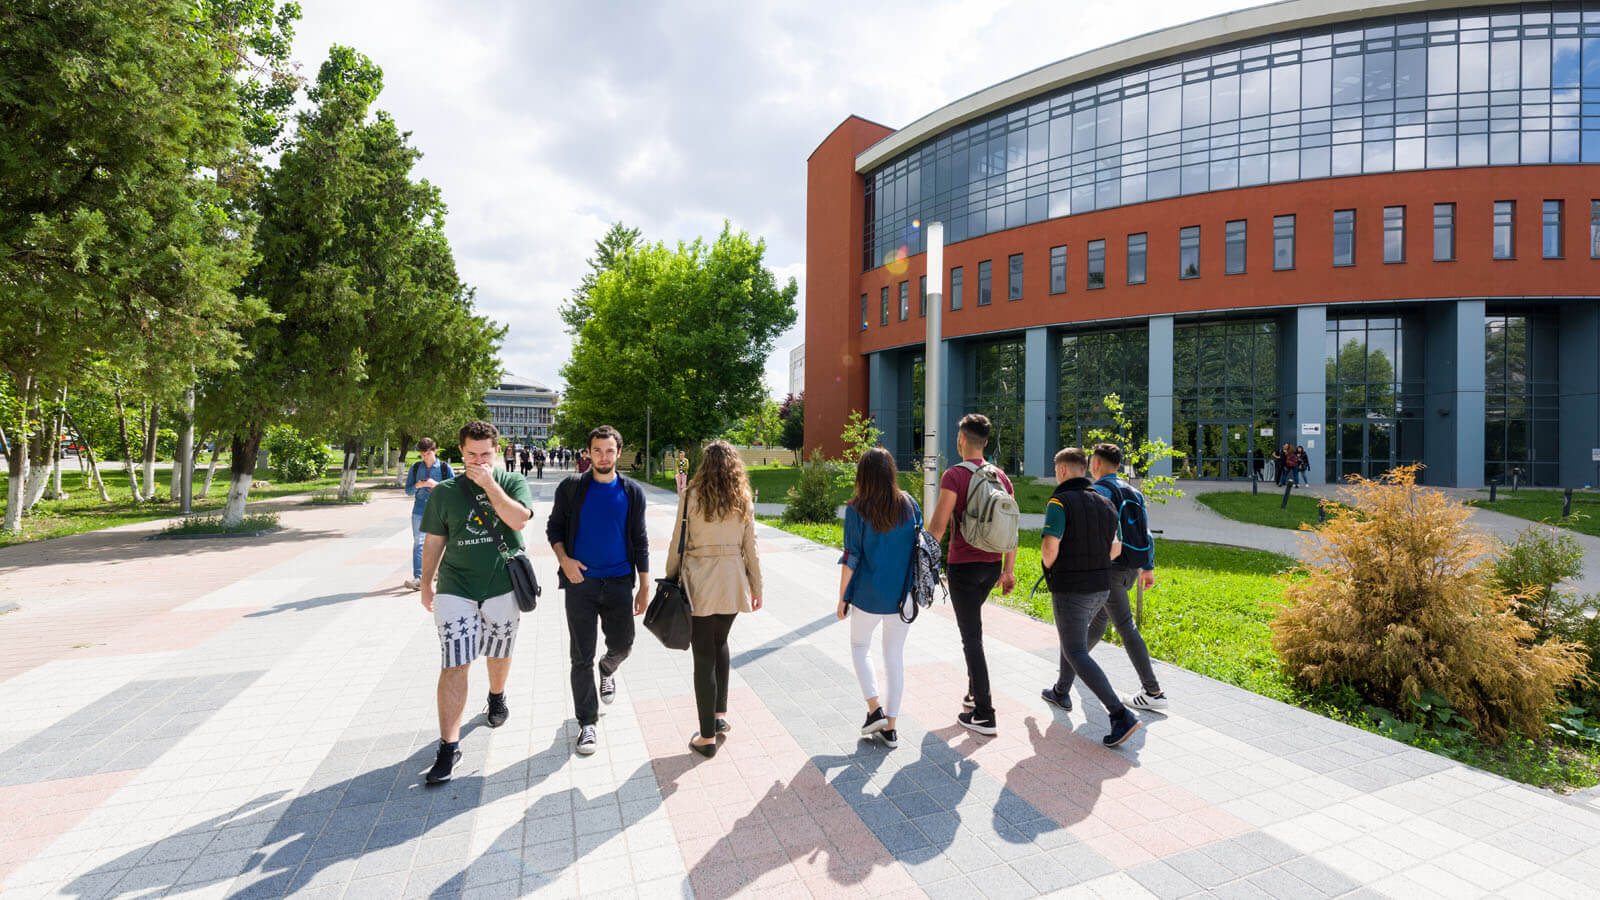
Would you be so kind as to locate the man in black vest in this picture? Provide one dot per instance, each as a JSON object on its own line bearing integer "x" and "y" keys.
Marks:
{"x": 1078, "y": 544}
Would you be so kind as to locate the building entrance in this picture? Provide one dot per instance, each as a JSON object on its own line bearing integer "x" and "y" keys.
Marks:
{"x": 1365, "y": 447}
{"x": 1225, "y": 449}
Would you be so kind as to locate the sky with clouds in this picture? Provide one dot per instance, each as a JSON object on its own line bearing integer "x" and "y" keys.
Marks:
{"x": 543, "y": 122}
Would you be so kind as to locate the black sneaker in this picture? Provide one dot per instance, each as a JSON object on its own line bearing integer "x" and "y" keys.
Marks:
{"x": 444, "y": 764}
{"x": 968, "y": 703}
{"x": 498, "y": 711}
{"x": 723, "y": 727}
{"x": 608, "y": 688}
{"x": 980, "y": 724}
{"x": 706, "y": 750}
{"x": 588, "y": 741}
{"x": 891, "y": 738}
{"x": 1062, "y": 699}
{"x": 1122, "y": 728}
{"x": 876, "y": 720}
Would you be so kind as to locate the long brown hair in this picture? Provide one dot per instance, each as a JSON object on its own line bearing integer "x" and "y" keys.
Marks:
{"x": 878, "y": 497}
{"x": 721, "y": 484}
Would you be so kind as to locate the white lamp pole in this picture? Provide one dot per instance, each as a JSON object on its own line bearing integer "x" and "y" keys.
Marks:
{"x": 931, "y": 374}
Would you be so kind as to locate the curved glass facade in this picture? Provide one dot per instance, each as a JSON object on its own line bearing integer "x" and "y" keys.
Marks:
{"x": 1516, "y": 85}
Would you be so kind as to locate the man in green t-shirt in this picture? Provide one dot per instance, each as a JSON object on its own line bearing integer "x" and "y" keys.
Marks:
{"x": 473, "y": 604}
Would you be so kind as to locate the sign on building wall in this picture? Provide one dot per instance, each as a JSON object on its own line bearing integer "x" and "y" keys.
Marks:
{"x": 1310, "y": 428}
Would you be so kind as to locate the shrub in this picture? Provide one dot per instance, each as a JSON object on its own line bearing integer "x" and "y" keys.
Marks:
{"x": 293, "y": 457}
{"x": 1399, "y": 599}
{"x": 1532, "y": 566}
{"x": 811, "y": 499}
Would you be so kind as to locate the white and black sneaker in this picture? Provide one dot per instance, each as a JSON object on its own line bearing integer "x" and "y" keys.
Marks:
{"x": 968, "y": 702}
{"x": 1147, "y": 700}
{"x": 890, "y": 738}
{"x": 608, "y": 688}
{"x": 444, "y": 764}
{"x": 876, "y": 721}
{"x": 588, "y": 741}
{"x": 982, "y": 725}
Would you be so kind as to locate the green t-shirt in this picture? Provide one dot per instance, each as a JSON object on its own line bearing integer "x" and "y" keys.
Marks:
{"x": 1055, "y": 518}
{"x": 472, "y": 567}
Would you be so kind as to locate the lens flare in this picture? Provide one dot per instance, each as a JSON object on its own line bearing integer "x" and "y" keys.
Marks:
{"x": 916, "y": 223}
{"x": 898, "y": 260}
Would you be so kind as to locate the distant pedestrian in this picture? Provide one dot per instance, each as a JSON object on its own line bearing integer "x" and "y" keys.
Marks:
{"x": 1280, "y": 464}
{"x": 1302, "y": 464}
{"x": 511, "y": 458}
{"x": 973, "y": 570}
{"x": 880, "y": 533}
{"x": 1257, "y": 462}
{"x": 683, "y": 470}
{"x": 721, "y": 572}
{"x": 425, "y": 475}
{"x": 538, "y": 461}
{"x": 525, "y": 457}
{"x": 1134, "y": 565}
{"x": 597, "y": 530}
{"x": 1077, "y": 546}
{"x": 475, "y": 608}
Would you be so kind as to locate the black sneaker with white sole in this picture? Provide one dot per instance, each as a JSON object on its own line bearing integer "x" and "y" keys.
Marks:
{"x": 498, "y": 712}
{"x": 445, "y": 763}
{"x": 608, "y": 688}
{"x": 1057, "y": 698}
{"x": 1122, "y": 728}
{"x": 981, "y": 724}
{"x": 876, "y": 721}
{"x": 968, "y": 702}
{"x": 890, "y": 738}
{"x": 588, "y": 740}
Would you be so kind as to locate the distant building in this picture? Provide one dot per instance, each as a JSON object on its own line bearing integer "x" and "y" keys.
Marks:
{"x": 797, "y": 370}
{"x": 522, "y": 408}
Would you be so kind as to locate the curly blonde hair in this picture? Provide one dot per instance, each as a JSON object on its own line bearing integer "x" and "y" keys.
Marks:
{"x": 721, "y": 483}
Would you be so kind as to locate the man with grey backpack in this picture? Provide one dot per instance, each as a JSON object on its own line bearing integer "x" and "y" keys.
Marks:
{"x": 977, "y": 502}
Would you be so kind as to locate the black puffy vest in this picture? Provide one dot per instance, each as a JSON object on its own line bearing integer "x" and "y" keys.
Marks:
{"x": 1083, "y": 561}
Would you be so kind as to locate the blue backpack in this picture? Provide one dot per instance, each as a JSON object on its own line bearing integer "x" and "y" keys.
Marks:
{"x": 1133, "y": 525}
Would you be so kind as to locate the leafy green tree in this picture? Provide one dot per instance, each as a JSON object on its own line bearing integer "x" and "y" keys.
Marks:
{"x": 684, "y": 332}
{"x": 792, "y": 434}
{"x": 610, "y": 251}
{"x": 761, "y": 427}
{"x": 1139, "y": 450}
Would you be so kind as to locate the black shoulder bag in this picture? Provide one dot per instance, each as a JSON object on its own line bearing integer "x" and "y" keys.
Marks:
{"x": 669, "y": 616}
{"x": 523, "y": 583}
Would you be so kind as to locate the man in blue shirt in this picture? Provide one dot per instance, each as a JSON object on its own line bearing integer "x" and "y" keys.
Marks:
{"x": 425, "y": 475}
{"x": 596, "y": 528}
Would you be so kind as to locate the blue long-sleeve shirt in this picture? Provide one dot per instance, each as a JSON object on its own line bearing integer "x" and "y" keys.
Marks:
{"x": 421, "y": 471}
{"x": 880, "y": 563}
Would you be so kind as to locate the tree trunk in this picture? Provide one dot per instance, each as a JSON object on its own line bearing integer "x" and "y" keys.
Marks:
{"x": 243, "y": 467}
{"x": 386, "y": 456}
{"x": 59, "y": 424}
{"x": 150, "y": 451}
{"x": 127, "y": 449}
{"x": 211, "y": 470}
{"x": 351, "y": 469}
{"x": 86, "y": 455}
{"x": 400, "y": 464}
{"x": 183, "y": 459}
{"x": 17, "y": 460}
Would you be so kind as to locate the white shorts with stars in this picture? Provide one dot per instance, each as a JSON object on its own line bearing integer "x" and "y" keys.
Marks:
{"x": 468, "y": 630}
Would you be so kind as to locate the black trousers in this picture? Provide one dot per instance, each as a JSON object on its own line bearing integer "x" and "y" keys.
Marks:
{"x": 608, "y": 602}
{"x": 970, "y": 584}
{"x": 709, "y": 644}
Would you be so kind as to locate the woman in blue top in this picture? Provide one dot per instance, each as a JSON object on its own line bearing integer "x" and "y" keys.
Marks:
{"x": 425, "y": 475}
{"x": 880, "y": 529}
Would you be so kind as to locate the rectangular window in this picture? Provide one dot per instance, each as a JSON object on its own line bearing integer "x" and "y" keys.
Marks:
{"x": 1594, "y": 229}
{"x": 1505, "y": 217}
{"x": 863, "y": 312}
{"x": 1344, "y": 237}
{"x": 883, "y": 302}
{"x": 1444, "y": 232}
{"x": 1282, "y": 242}
{"x": 1097, "y": 264}
{"x": 1394, "y": 234}
{"x": 922, "y": 296}
{"x": 955, "y": 288}
{"x": 1233, "y": 238}
{"x": 985, "y": 278}
{"x": 1058, "y": 265}
{"x": 905, "y": 300}
{"x": 1138, "y": 253}
{"x": 1014, "y": 277}
{"x": 1552, "y": 229}
{"x": 1189, "y": 252}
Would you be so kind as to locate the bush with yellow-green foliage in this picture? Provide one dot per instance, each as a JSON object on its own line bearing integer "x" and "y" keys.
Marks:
{"x": 1398, "y": 598}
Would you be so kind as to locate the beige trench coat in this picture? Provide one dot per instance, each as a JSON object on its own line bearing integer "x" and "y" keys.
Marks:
{"x": 719, "y": 561}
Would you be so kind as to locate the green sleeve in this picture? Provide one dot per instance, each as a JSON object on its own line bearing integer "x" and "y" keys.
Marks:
{"x": 518, "y": 488}
{"x": 1055, "y": 519}
{"x": 433, "y": 520}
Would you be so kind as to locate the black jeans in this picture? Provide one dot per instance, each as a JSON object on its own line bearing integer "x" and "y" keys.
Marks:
{"x": 1073, "y": 614}
{"x": 610, "y": 602}
{"x": 1119, "y": 611}
{"x": 709, "y": 644}
{"x": 970, "y": 584}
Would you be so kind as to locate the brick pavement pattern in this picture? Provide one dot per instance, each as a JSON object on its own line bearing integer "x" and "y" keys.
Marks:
{"x": 251, "y": 719}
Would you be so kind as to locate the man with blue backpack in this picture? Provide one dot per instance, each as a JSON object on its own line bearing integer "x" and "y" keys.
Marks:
{"x": 1136, "y": 564}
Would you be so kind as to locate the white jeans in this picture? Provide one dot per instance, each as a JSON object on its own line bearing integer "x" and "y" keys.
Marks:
{"x": 895, "y": 630}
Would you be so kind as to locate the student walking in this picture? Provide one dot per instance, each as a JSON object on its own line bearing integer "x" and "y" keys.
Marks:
{"x": 425, "y": 475}
{"x": 525, "y": 457}
{"x": 880, "y": 534}
{"x": 682, "y": 476}
{"x": 474, "y": 607}
{"x": 1302, "y": 464}
{"x": 973, "y": 569}
{"x": 721, "y": 572}
{"x": 1134, "y": 565}
{"x": 596, "y": 528}
{"x": 1077, "y": 546}
{"x": 1280, "y": 464}
{"x": 538, "y": 461}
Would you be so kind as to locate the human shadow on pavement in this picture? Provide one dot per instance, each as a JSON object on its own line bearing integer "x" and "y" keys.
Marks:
{"x": 354, "y": 818}
{"x": 308, "y": 604}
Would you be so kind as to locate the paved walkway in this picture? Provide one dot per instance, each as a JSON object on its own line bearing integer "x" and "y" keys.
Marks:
{"x": 250, "y": 720}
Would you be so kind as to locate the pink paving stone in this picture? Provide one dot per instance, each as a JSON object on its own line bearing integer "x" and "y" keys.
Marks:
{"x": 33, "y": 833}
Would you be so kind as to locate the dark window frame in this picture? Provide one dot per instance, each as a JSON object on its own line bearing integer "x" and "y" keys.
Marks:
{"x": 985, "y": 282}
{"x": 922, "y": 296}
{"x": 1239, "y": 237}
{"x": 1510, "y": 226}
{"x": 905, "y": 299}
{"x": 883, "y": 311}
{"x": 1097, "y": 248}
{"x": 864, "y": 320}
{"x": 1283, "y": 232}
{"x": 1557, "y": 208}
{"x": 1394, "y": 220}
{"x": 1347, "y": 230}
{"x": 1143, "y": 256}
{"x": 957, "y": 281}
{"x": 1188, "y": 239}
{"x": 1058, "y": 269}
{"x": 1014, "y": 270}
{"x": 1448, "y": 226}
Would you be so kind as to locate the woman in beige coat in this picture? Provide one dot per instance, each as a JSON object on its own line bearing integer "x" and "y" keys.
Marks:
{"x": 719, "y": 561}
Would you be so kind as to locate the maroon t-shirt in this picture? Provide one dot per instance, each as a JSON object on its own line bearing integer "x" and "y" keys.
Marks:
{"x": 958, "y": 479}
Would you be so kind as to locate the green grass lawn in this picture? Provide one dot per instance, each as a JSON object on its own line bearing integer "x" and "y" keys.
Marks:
{"x": 84, "y": 511}
{"x": 1545, "y": 506}
{"x": 1262, "y": 509}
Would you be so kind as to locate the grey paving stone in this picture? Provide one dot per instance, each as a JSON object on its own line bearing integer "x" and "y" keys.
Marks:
{"x": 1269, "y": 848}
{"x": 1164, "y": 881}
{"x": 1319, "y": 875}
{"x": 380, "y": 887}
{"x": 1241, "y": 890}
{"x": 1281, "y": 883}
{"x": 1201, "y": 869}
{"x": 1003, "y": 883}
{"x": 551, "y": 856}
{"x": 1049, "y": 872}
{"x": 902, "y": 838}
{"x": 958, "y": 888}
{"x": 1235, "y": 857}
{"x": 436, "y": 881}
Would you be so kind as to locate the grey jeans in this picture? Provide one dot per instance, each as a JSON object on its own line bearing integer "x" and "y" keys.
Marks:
{"x": 1119, "y": 611}
{"x": 1073, "y": 613}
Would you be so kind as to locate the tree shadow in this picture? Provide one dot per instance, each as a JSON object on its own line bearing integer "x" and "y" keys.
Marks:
{"x": 98, "y": 546}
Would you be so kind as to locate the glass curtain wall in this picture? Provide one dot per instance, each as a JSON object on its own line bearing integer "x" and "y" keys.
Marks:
{"x": 1521, "y": 399}
{"x": 1094, "y": 364}
{"x": 908, "y": 422}
{"x": 1482, "y": 86}
{"x": 1225, "y": 396}
{"x": 1375, "y": 390}
{"x": 997, "y": 386}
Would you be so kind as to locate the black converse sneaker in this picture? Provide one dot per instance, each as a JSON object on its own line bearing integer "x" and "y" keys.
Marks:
{"x": 608, "y": 688}
{"x": 588, "y": 740}
{"x": 445, "y": 763}
{"x": 980, "y": 724}
{"x": 876, "y": 720}
{"x": 498, "y": 711}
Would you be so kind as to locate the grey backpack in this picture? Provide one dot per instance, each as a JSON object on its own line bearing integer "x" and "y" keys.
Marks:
{"x": 991, "y": 519}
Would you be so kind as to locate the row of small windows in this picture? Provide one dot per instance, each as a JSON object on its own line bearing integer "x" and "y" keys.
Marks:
{"x": 1235, "y": 238}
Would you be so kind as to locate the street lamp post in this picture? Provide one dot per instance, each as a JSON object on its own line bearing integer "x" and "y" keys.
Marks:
{"x": 931, "y": 373}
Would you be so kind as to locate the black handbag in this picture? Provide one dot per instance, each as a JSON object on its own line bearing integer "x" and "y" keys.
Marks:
{"x": 523, "y": 582}
{"x": 669, "y": 615}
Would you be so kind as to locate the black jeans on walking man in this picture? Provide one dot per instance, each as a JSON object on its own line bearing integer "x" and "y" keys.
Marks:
{"x": 608, "y": 602}
{"x": 970, "y": 584}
